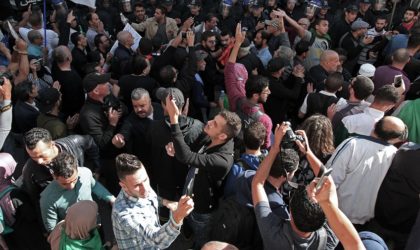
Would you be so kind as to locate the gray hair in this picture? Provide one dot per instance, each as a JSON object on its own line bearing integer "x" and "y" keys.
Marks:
{"x": 34, "y": 34}
{"x": 61, "y": 54}
{"x": 139, "y": 93}
{"x": 122, "y": 36}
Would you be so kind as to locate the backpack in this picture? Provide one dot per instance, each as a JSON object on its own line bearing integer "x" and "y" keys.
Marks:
{"x": 247, "y": 119}
{"x": 236, "y": 224}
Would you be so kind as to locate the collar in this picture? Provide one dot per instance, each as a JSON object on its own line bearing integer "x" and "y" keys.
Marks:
{"x": 327, "y": 93}
{"x": 374, "y": 112}
{"x": 397, "y": 69}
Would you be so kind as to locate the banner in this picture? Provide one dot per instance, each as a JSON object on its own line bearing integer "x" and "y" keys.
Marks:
{"x": 89, "y": 3}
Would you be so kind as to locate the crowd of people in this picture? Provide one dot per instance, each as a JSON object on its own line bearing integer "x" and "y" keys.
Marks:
{"x": 198, "y": 124}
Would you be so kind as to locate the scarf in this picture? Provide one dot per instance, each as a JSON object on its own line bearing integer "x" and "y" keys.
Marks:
{"x": 78, "y": 230}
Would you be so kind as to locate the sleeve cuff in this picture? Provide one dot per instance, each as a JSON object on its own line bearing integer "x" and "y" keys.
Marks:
{"x": 175, "y": 129}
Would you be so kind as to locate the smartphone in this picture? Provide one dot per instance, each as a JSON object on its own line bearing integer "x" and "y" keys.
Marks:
{"x": 398, "y": 81}
{"x": 324, "y": 176}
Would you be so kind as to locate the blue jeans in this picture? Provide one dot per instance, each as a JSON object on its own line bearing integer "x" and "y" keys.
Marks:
{"x": 199, "y": 224}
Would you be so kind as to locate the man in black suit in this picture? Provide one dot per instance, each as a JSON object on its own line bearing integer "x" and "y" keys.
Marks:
{"x": 133, "y": 131}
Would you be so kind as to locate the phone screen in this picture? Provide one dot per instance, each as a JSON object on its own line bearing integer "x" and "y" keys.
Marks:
{"x": 322, "y": 179}
{"x": 398, "y": 81}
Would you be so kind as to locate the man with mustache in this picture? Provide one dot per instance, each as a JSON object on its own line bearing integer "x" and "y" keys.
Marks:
{"x": 133, "y": 130}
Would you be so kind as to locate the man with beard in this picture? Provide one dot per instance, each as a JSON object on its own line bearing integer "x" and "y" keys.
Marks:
{"x": 133, "y": 131}
{"x": 226, "y": 40}
{"x": 367, "y": 55}
{"x": 260, "y": 43}
{"x": 409, "y": 20}
{"x": 102, "y": 44}
{"x": 344, "y": 24}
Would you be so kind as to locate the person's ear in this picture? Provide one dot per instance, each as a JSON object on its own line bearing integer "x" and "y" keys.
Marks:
{"x": 222, "y": 136}
{"x": 122, "y": 185}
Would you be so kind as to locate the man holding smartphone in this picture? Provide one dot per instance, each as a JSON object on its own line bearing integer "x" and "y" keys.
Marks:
{"x": 209, "y": 159}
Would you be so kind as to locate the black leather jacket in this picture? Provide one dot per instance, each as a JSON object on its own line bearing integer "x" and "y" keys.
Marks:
{"x": 36, "y": 177}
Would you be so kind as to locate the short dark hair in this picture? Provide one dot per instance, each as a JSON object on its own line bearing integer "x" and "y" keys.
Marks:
{"x": 145, "y": 46}
{"x": 319, "y": 20}
{"x": 206, "y": 35}
{"x": 64, "y": 165}
{"x": 381, "y": 17}
{"x": 89, "y": 16}
{"x": 307, "y": 215}
{"x": 233, "y": 123}
{"x": 388, "y": 134}
{"x": 139, "y": 63}
{"x": 35, "y": 18}
{"x": 209, "y": 16}
{"x": 286, "y": 162}
{"x": 167, "y": 74}
{"x": 387, "y": 94}
{"x": 127, "y": 164}
{"x": 302, "y": 47}
{"x": 74, "y": 38}
{"x": 255, "y": 85}
{"x": 413, "y": 41}
{"x": 334, "y": 82}
{"x": 163, "y": 9}
{"x": 413, "y": 10}
{"x": 264, "y": 34}
{"x": 33, "y": 136}
{"x": 97, "y": 40}
{"x": 362, "y": 87}
{"x": 23, "y": 90}
{"x": 138, "y": 5}
{"x": 226, "y": 32}
{"x": 254, "y": 135}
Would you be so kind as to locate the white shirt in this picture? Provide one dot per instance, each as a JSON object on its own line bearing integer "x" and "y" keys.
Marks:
{"x": 359, "y": 167}
{"x": 52, "y": 37}
{"x": 363, "y": 123}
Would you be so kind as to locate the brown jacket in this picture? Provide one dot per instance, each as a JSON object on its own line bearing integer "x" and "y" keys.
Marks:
{"x": 150, "y": 26}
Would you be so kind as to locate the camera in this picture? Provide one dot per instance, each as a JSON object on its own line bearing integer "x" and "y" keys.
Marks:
{"x": 8, "y": 75}
{"x": 290, "y": 137}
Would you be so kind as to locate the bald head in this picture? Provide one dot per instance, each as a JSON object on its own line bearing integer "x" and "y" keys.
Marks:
{"x": 391, "y": 129}
{"x": 125, "y": 38}
{"x": 217, "y": 245}
{"x": 329, "y": 60}
{"x": 400, "y": 56}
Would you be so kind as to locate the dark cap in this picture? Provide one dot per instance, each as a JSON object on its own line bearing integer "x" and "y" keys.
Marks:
{"x": 195, "y": 3}
{"x": 167, "y": 2}
{"x": 257, "y": 4}
{"x": 162, "y": 93}
{"x": 365, "y": 1}
{"x": 352, "y": 8}
{"x": 201, "y": 55}
{"x": 324, "y": 4}
{"x": 94, "y": 79}
{"x": 359, "y": 24}
{"x": 276, "y": 64}
{"x": 47, "y": 98}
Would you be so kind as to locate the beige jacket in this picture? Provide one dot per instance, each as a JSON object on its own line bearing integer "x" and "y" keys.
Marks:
{"x": 150, "y": 26}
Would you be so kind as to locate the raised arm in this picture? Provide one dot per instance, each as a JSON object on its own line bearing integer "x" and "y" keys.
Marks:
{"x": 258, "y": 192}
{"x": 300, "y": 30}
{"x": 339, "y": 223}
